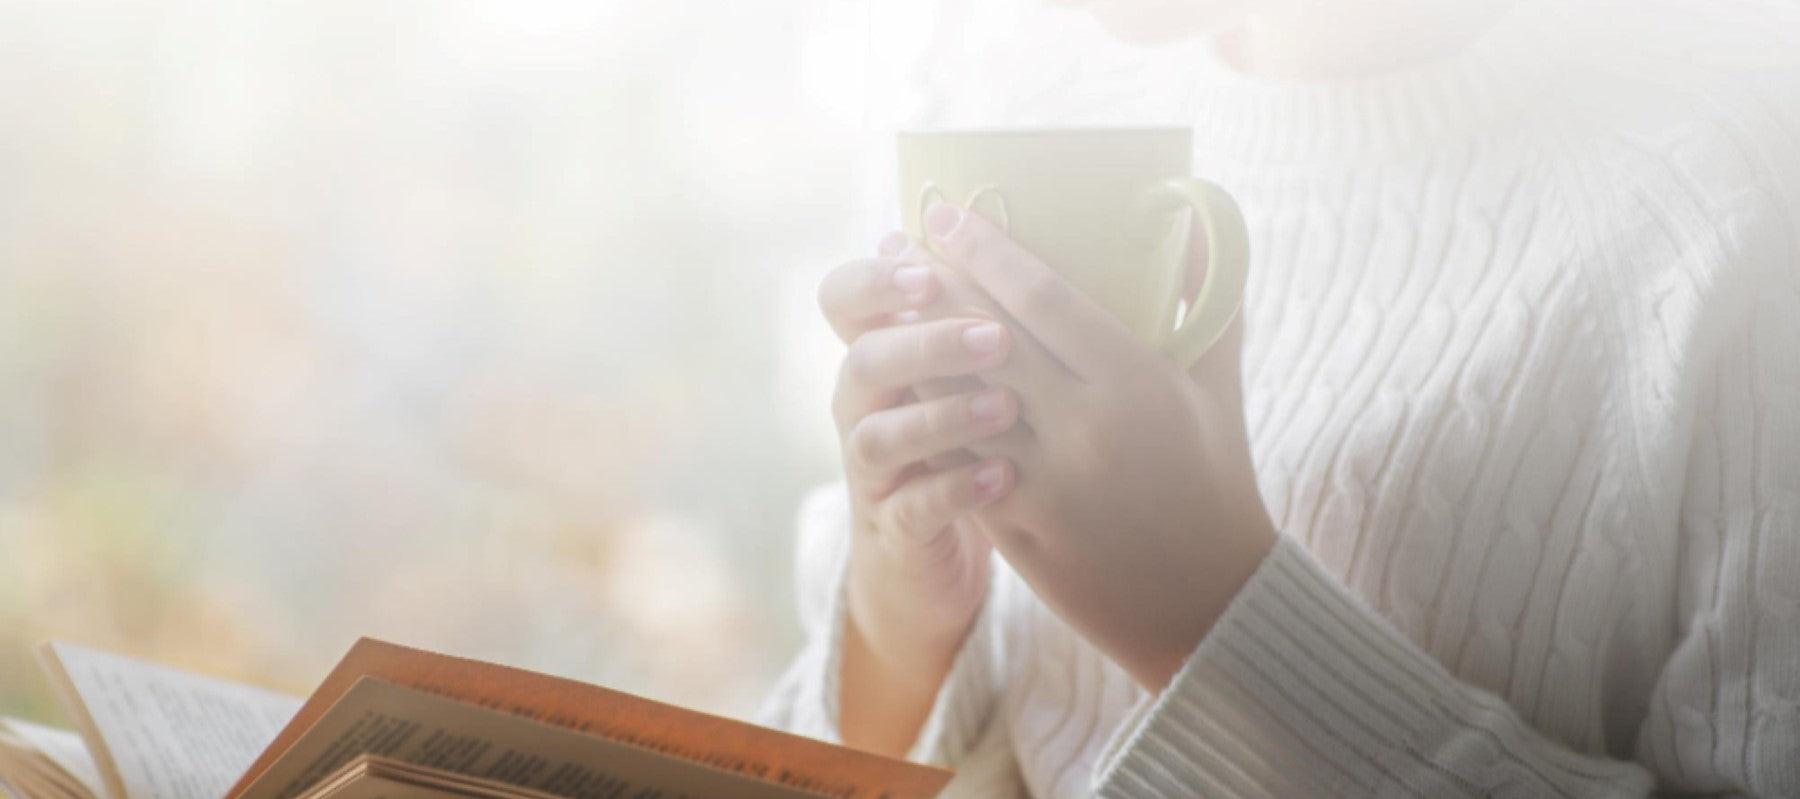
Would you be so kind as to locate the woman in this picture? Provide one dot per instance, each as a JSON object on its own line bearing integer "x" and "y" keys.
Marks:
{"x": 1494, "y": 493}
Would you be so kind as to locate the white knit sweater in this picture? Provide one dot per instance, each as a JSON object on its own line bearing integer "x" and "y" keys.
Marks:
{"x": 1522, "y": 373}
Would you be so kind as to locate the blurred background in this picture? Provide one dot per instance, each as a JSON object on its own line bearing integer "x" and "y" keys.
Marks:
{"x": 486, "y": 326}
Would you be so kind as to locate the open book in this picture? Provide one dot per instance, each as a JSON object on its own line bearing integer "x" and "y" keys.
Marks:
{"x": 396, "y": 723}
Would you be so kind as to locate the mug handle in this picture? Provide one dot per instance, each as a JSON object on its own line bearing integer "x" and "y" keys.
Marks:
{"x": 1227, "y": 267}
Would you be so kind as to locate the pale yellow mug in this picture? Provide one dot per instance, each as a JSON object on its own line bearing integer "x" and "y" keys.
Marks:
{"x": 1105, "y": 207}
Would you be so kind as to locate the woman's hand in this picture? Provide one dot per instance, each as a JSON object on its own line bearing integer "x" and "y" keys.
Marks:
{"x": 917, "y": 575}
{"x": 1136, "y": 514}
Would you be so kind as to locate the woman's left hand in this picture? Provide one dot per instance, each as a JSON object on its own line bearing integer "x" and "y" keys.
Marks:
{"x": 1136, "y": 515}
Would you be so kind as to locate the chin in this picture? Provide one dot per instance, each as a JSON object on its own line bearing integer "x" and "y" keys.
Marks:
{"x": 1159, "y": 21}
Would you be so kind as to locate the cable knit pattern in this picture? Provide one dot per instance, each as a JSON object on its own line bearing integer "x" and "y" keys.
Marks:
{"x": 1522, "y": 364}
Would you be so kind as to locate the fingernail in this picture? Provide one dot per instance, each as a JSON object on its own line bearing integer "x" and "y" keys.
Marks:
{"x": 988, "y": 478}
{"x": 988, "y": 406}
{"x": 941, "y": 219}
{"x": 913, "y": 281}
{"x": 982, "y": 339}
{"x": 893, "y": 244}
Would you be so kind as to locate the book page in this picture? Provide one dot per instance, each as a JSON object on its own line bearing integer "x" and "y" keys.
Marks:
{"x": 24, "y": 776}
{"x": 162, "y": 733}
{"x": 366, "y": 776}
{"x": 382, "y": 786}
{"x": 373, "y": 777}
{"x": 62, "y": 747}
{"x": 374, "y": 787}
{"x": 31, "y": 775}
{"x": 726, "y": 744}
{"x": 422, "y": 729}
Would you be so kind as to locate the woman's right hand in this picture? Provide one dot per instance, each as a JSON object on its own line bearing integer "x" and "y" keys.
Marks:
{"x": 919, "y": 568}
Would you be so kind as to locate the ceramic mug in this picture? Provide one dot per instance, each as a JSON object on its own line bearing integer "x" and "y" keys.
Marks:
{"x": 1105, "y": 207}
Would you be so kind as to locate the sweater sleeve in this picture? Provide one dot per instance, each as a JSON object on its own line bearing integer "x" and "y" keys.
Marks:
{"x": 1301, "y": 689}
{"x": 805, "y": 699}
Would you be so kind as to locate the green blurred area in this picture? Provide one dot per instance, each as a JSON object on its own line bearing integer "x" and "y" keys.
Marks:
{"x": 480, "y": 326}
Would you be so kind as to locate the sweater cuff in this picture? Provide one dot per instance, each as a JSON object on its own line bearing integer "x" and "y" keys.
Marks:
{"x": 1296, "y": 691}
{"x": 1301, "y": 689}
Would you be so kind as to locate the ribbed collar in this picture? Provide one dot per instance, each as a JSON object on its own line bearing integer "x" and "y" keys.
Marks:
{"x": 1494, "y": 83}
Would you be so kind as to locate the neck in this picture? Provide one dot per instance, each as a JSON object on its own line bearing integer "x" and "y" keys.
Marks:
{"x": 1318, "y": 39}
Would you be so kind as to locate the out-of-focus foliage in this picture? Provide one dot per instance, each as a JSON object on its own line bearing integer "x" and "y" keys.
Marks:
{"x": 481, "y": 325}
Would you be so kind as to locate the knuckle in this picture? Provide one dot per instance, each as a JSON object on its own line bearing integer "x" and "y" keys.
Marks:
{"x": 861, "y": 361}
{"x": 1039, "y": 292}
{"x": 842, "y": 404}
{"x": 962, "y": 493}
{"x": 865, "y": 445}
{"x": 853, "y": 285}
{"x": 832, "y": 294}
{"x": 873, "y": 279}
{"x": 937, "y": 420}
{"x": 944, "y": 346}
{"x": 981, "y": 248}
{"x": 907, "y": 515}
{"x": 946, "y": 496}
{"x": 936, "y": 388}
